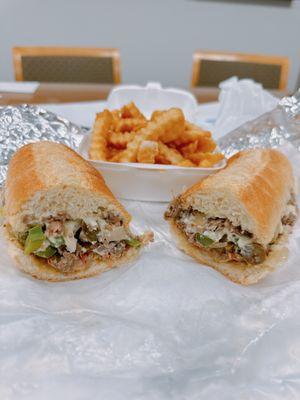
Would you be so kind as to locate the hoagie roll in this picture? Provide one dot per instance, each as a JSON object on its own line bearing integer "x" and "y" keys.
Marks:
{"x": 61, "y": 220}
{"x": 237, "y": 220}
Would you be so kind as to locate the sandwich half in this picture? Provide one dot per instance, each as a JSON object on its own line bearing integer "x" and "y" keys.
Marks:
{"x": 61, "y": 220}
{"x": 237, "y": 220}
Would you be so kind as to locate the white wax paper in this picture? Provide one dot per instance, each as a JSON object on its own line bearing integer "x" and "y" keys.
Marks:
{"x": 164, "y": 327}
{"x": 241, "y": 101}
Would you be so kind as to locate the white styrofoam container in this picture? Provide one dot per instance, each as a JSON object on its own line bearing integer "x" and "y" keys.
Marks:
{"x": 147, "y": 182}
{"x": 153, "y": 97}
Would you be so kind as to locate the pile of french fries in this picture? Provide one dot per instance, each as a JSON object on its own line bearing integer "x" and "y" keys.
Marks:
{"x": 125, "y": 135}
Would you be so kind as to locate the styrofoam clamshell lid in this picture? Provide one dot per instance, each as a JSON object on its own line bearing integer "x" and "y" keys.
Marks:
{"x": 153, "y": 97}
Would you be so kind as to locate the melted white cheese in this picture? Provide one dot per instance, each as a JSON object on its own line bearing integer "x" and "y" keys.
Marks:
{"x": 70, "y": 228}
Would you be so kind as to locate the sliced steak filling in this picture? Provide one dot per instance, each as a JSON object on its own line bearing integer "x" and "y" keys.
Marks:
{"x": 223, "y": 241}
{"x": 68, "y": 245}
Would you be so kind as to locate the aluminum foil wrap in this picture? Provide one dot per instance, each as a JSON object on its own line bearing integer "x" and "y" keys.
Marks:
{"x": 22, "y": 124}
{"x": 271, "y": 129}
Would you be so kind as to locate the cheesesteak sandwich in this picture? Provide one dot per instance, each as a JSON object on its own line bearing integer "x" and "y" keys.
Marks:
{"x": 61, "y": 220}
{"x": 237, "y": 220}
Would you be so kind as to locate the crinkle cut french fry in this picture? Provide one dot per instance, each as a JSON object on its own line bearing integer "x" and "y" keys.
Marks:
{"x": 172, "y": 156}
{"x": 156, "y": 114}
{"x": 116, "y": 116}
{"x": 190, "y": 134}
{"x": 131, "y": 111}
{"x": 130, "y": 124}
{"x": 126, "y": 136}
{"x": 203, "y": 145}
{"x": 147, "y": 152}
{"x": 103, "y": 124}
{"x": 206, "y": 145}
{"x": 206, "y": 159}
{"x": 186, "y": 163}
{"x": 111, "y": 152}
{"x": 173, "y": 121}
{"x": 168, "y": 122}
{"x": 188, "y": 149}
{"x": 120, "y": 140}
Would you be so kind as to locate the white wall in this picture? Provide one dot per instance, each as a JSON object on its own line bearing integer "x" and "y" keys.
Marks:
{"x": 156, "y": 37}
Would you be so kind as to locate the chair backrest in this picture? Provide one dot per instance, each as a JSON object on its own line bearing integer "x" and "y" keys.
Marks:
{"x": 298, "y": 82}
{"x": 211, "y": 68}
{"x": 67, "y": 64}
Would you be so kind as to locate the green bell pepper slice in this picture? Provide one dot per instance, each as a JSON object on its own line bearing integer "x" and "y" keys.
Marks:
{"x": 34, "y": 240}
{"x": 49, "y": 252}
{"x": 204, "y": 240}
{"x": 133, "y": 242}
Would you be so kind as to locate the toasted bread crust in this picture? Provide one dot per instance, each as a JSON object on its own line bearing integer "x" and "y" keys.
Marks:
{"x": 40, "y": 166}
{"x": 260, "y": 181}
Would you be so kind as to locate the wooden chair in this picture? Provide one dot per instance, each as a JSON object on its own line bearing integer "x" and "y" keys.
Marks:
{"x": 210, "y": 68}
{"x": 67, "y": 64}
{"x": 298, "y": 82}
